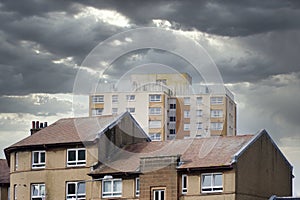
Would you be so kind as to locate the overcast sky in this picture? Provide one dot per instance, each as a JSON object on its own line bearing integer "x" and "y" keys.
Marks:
{"x": 255, "y": 45}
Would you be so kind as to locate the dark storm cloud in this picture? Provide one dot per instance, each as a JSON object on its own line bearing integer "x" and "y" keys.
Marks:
{"x": 29, "y": 43}
{"x": 228, "y": 18}
{"x": 50, "y": 27}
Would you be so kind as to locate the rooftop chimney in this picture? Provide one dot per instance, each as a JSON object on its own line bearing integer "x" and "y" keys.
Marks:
{"x": 36, "y": 126}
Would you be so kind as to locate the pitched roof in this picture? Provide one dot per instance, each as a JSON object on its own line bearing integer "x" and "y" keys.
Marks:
{"x": 70, "y": 130}
{"x": 4, "y": 172}
{"x": 195, "y": 153}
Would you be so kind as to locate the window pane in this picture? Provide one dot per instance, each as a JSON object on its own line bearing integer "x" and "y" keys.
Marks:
{"x": 206, "y": 181}
{"x": 71, "y": 156}
{"x": 162, "y": 195}
{"x": 81, "y": 155}
{"x": 35, "y": 190}
{"x": 71, "y": 188}
{"x": 117, "y": 186}
{"x": 218, "y": 180}
{"x": 138, "y": 184}
{"x": 81, "y": 188}
{"x": 42, "y": 157}
{"x": 156, "y": 195}
{"x": 199, "y": 100}
{"x": 107, "y": 186}
{"x": 42, "y": 190}
{"x": 184, "y": 182}
{"x": 35, "y": 157}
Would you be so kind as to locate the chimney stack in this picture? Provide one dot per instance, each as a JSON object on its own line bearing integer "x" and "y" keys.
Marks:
{"x": 36, "y": 126}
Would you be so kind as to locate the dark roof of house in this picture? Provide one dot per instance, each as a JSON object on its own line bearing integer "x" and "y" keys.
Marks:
{"x": 195, "y": 153}
{"x": 4, "y": 172}
{"x": 70, "y": 131}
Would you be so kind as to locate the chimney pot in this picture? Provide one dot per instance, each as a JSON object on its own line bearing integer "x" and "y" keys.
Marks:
{"x": 37, "y": 125}
{"x": 33, "y": 125}
{"x": 41, "y": 125}
{"x": 45, "y": 124}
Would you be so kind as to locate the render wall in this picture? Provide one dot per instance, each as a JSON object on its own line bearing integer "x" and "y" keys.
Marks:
{"x": 54, "y": 175}
{"x": 262, "y": 172}
{"x": 194, "y": 187}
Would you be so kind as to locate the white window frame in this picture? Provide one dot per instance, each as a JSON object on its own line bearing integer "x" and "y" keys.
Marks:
{"x": 199, "y": 113}
{"x": 184, "y": 179}
{"x": 76, "y": 162}
{"x": 155, "y": 98}
{"x": 217, "y": 126}
{"x": 130, "y": 110}
{"x": 98, "y": 99}
{"x": 97, "y": 111}
{"x": 186, "y": 127}
{"x": 199, "y": 125}
{"x": 216, "y": 100}
{"x": 111, "y": 193}
{"x": 155, "y": 136}
{"x": 39, "y": 164}
{"x": 16, "y": 160}
{"x": 15, "y": 191}
{"x": 39, "y": 196}
{"x": 159, "y": 191}
{"x": 186, "y": 114}
{"x": 77, "y": 196}
{"x": 187, "y": 101}
{"x": 155, "y": 111}
{"x": 114, "y": 110}
{"x": 199, "y": 100}
{"x": 212, "y": 188}
{"x": 137, "y": 186}
{"x": 114, "y": 98}
{"x": 130, "y": 97}
{"x": 216, "y": 113}
{"x": 155, "y": 124}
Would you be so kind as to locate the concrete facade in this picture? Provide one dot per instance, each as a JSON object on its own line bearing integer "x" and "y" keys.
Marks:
{"x": 185, "y": 110}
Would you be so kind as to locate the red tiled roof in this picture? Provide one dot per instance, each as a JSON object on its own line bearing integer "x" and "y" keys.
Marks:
{"x": 70, "y": 130}
{"x": 4, "y": 171}
{"x": 195, "y": 153}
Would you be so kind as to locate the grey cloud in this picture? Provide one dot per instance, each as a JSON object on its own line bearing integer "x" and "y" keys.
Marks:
{"x": 257, "y": 57}
{"x": 40, "y": 105}
{"x": 24, "y": 71}
{"x": 228, "y": 18}
{"x": 272, "y": 107}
